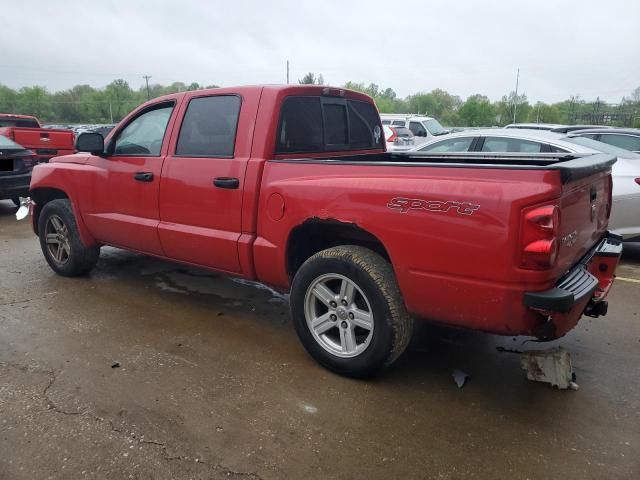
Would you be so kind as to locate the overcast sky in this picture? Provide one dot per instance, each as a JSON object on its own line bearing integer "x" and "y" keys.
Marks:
{"x": 563, "y": 48}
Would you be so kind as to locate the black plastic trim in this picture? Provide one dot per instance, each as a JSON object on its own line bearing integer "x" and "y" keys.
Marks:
{"x": 577, "y": 283}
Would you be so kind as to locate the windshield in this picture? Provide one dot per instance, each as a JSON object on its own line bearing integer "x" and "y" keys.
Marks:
{"x": 6, "y": 143}
{"x": 434, "y": 127}
{"x": 602, "y": 147}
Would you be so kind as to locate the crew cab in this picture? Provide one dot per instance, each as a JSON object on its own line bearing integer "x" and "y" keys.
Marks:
{"x": 45, "y": 142}
{"x": 291, "y": 186}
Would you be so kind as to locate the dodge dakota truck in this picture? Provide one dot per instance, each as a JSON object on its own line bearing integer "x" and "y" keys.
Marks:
{"x": 27, "y": 131}
{"x": 291, "y": 186}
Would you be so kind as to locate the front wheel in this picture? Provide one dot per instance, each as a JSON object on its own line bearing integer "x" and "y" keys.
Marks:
{"x": 348, "y": 311}
{"x": 60, "y": 241}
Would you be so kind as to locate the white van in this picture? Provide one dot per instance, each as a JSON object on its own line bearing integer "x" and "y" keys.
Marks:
{"x": 423, "y": 128}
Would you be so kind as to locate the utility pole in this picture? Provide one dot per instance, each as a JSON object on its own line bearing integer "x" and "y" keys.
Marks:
{"x": 515, "y": 99}
{"x": 287, "y": 72}
{"x": 110, "y": 112}
{"x": 146, "y": 78}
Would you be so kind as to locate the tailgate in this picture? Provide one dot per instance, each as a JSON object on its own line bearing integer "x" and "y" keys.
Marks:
{"x": 44, "y": 139}
{"x": 585, "y": 205}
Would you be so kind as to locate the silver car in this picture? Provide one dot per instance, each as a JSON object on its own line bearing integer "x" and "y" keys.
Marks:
{"x": 625, "y": 212}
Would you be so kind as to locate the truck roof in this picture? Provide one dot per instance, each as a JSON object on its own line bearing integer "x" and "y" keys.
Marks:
{"x": 275, "y": 90}
{"x": 16, "y": 116}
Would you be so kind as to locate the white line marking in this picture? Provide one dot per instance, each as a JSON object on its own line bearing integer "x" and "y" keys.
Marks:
{"x": 632, "y": 280}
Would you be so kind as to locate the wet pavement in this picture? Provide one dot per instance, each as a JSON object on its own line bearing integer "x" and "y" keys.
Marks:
{"x": 150, "y": 370}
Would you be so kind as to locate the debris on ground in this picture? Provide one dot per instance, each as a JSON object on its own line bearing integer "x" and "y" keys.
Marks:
{"x": 550, "y": 366}
{"x": 115, "y": 365}
{"x": 460, "y": 377}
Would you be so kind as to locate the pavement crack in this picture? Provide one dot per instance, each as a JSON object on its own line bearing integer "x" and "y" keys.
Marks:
{"x": 50, "y": 403}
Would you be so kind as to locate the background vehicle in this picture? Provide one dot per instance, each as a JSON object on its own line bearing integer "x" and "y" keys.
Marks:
{"x": 626, "y": 138}
{"x": 398, "y": 139}
{"x": 625, "y": 215}
{"x": 45, "y": 142}
{"x": 534, "y": 126}
{"x": 255, "y": 182}
{"x": 573, "y": 128}
{"x": 16, "y": 163}
{"x": 423, "y": 128}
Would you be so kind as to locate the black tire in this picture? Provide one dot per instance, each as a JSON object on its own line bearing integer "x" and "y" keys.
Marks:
{"x": 80, "y": 259}
{"x": 374, "y": 277}
{"x": 16, "y": 201}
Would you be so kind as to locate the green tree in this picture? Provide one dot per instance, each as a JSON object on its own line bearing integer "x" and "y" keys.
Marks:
{"x": 35, "y": 101}
{"x": 510, "y": 103}
{"x": 311, "y": 79}
{"x": 477, "y": 111}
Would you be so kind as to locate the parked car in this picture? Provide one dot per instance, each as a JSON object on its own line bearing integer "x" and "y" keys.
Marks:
{"x": 573, "y": 128}
{"x": 16, "y": 163}
{"x": 398, "y": 139}
{"x": 534, "y": 126}
{"x": 254, "y": 182}
{"x": 45, "y": 142}
{"x": 625, "y": 216}
{"x": 626, "y": 138}
{"x": 423, "y": 128}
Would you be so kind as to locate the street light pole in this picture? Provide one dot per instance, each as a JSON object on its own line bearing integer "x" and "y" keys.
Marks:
{"x": 515, "y": 99}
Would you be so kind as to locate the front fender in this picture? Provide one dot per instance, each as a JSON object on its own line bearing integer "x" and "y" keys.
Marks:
{"x": 50, "y": 181}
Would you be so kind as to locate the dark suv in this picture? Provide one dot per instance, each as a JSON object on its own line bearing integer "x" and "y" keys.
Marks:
{"x": 16, "y": 163}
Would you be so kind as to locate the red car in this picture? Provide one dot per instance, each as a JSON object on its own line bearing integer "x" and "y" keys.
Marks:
{"x": 291, "y": 186}
{"x": 45, "y": 142}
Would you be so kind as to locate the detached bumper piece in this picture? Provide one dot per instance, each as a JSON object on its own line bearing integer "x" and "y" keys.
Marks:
{"x": 589, "y": 280}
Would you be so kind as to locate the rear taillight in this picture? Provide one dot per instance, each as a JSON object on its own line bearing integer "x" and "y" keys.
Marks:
{"x": 638, "y": 180}
{"x": 393, "y": 136}
{"x": 11, "y": 135}
{"x": 539, "y": 237}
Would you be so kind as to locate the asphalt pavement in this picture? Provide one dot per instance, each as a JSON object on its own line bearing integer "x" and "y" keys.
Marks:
{"x": 150, "y": 370}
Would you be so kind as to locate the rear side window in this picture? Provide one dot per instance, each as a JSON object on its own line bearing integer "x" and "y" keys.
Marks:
{"x": 398, "y": 122}
{"x": 628, "y": 142}
{"x": 403, "y": 132}
{"x": 457, "y": 144}
{"x": 315, "y": 124}
{"x": 497, "y": 144}
{"x": 209, "y": 127}
{"x": 18, "y": 122}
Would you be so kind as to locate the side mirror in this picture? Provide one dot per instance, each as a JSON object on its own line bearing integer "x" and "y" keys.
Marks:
{"x": 90, "y": 142}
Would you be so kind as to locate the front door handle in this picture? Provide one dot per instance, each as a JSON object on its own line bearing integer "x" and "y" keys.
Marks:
{"x": 143, "y": 176}
{"x": 226, "y": 182}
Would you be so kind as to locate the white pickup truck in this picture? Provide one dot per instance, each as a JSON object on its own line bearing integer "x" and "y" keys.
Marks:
{"x": 423, "y": 128}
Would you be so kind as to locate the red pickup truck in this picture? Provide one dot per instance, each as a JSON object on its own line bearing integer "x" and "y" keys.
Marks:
{"x": 45, "y": 142}
{"x": 291, "y": 186}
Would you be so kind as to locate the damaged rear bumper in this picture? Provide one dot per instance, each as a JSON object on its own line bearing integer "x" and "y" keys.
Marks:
{"x": 581, "y": 291}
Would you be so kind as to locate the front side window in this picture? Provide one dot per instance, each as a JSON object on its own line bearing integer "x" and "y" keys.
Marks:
{"x": 144, "y": 135}
{"x": 627, "y": 142}
{"x": 316, "y": 124}
{"x": 458, "y": 144}
{"x": 503, "y": 144}
{"x": 209, "y": 127}
{"x": 417, "y": 129}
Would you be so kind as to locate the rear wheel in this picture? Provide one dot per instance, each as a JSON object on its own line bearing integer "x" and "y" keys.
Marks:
{"x": 348, "y": 312}
{"x": 60, "y": 241}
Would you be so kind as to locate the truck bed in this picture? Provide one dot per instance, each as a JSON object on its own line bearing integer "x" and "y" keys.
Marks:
{"x": 570, "y": 166}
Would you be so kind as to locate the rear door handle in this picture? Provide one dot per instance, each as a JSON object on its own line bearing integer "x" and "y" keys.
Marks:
{"x": 143, "y": 176}
{"x": 226, "y": 182}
